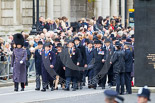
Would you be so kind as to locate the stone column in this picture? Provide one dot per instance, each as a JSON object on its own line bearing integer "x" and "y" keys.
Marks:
{"x": 114, "y": 8}
{"x": 105, "y": 8}
{"x": 65, "y": 8}
{"x": 50, "y": 9}
{"x": 123, "y": 12}
{"x": 0, "y": 12}
{"x": 18, "y": 17}
{"x": 129, "y": 6}
{"x": 98, "y": 8}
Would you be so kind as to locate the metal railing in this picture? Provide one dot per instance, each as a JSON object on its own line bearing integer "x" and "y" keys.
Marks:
{"x": 6, "y": 72}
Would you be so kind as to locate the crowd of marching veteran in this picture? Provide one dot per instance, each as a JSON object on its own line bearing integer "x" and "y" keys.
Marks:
{"x": 93, "y": 52}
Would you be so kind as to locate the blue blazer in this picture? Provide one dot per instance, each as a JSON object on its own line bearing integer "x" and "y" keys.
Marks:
{"x": 128, "y": 60}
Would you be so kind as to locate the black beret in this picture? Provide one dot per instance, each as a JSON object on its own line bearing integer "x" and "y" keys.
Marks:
{"x": 47, "y": 44}
{"x": 104, "y": 37}
{"x": 91, "y": 42}
{"x": 107, "y": 41}
{"x": 76, "y": 38}
{"x": 70, "y": 41}
{"x": 57, "y": 40}
{"x": 128, "y": 40}
{"x": 112, "y": 35}
{"x": 114, "y": 38}
{"x": 132, "y": 36}
{"x": 59, "y": 45}
{"x": 127, "y": 43}
{"x": 124, "y": 38}
{"x": 86, "y": 40}
{"x": 98, "y": 42}
{"x": 118, "y": 44}
{"x": 26, "y": 44}
{"x": 66, "y": 40}
{"x": 40, "y": 43}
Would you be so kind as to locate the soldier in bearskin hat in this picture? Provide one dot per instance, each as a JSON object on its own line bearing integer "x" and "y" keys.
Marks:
{"x": 18, "y": 62}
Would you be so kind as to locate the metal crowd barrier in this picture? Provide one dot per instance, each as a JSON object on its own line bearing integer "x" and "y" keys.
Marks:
{"x": 6, "y": 72}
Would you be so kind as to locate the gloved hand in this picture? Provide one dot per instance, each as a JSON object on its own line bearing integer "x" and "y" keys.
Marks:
{"x": 21, "y": 62}
{"x": 11, "y": 70}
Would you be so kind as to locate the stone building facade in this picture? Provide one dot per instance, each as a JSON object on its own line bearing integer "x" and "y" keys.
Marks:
{"x": 16, "y": 15}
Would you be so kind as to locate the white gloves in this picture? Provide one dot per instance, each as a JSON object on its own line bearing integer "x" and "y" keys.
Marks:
{"x": 11, "y": 70}
{"x": 21, "y": 62}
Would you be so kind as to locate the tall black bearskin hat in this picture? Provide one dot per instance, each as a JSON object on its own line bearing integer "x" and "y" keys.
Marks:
{"x": 18, "y": 39}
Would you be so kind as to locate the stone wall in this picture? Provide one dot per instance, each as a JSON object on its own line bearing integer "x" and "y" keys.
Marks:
{"x": 78, "y": 9}
{"x": 16, "y": 15}
{"x": 57, "y": 8}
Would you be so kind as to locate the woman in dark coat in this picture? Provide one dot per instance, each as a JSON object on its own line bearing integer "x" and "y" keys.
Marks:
{"x": 71, "y": 60}
{"x": 118, "y": 61}
{"x": 18, "y": 62}
{"x": 59, "y": 67}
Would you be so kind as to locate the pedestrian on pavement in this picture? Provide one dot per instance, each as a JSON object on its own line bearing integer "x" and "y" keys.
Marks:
{"x": 18, "y": 62}
{"x": 26, "y": 47}
{"x": 60, "y": 72}
{"x": 128, "y": 67}
{"x": 99, "y": 56}
{"x": 48, "y": 62}
{"x": 89, "y": 58}
{"x": 70, "y": 73}
{"x": 38, "y": 61}
{"x": 118, "y": 61}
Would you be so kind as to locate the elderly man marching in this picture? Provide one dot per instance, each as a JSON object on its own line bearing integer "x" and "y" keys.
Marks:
{"x": 18, "y": 62}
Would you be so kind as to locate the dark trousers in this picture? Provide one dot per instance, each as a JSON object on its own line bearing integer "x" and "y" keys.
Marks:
{"x": 120, "y": 82}
{"x": 16, "y": 85}
{"x": 68, "y": 80}
{"x": 103, "y": 80}
{"x": 128, "y": 82}
{"x": 45, "y": 84}
{"x": 90, "y": 77}
{"x": 38, "y": 83}
{"x": 98, "y": 79}
{"x": 110, "y": 79}
{"x": 26, "y": 75}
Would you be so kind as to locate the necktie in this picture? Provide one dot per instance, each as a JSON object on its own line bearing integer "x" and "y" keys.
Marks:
{"x": 70, "y": 51}
{"x": 89, "y": 50}
{"x": 107, "y": 48}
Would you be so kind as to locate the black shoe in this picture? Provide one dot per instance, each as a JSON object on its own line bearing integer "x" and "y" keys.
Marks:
{"x": 121, "y": 93}
{"x": 37, "y": 89}
{"x": 16, "y": 90}
{"x": 26, "y": 84}
{"x": 103, "y": 87}
{"x": 128, "y": 93}
{"x": 56, "y": 88}
{"x": 74, "y": 89}
{"x": 89, "y": 87}
{"x": 52, "y": 89}
{"x": 81, "y": 87}
{"x": 94, "y": 87}
{"x": 99, "y": 85}
{"x": 47, "y": 87}
{"x": 22, "y": 89}
{"x": 43, "y": 90}
{"x": 66, "y": 89}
